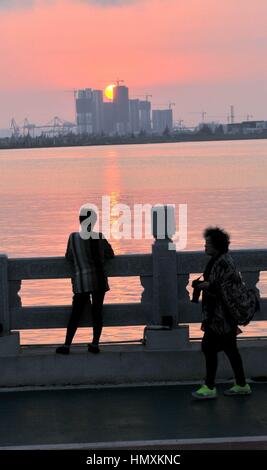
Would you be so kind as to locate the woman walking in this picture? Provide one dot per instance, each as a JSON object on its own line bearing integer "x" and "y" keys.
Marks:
{"x": 219, "y": 326}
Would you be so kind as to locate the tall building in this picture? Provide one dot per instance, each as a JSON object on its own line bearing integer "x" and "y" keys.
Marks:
{"x": 134, "y": 110}
{"x": 98, "y": 118}
{"x": 89, "y": 111}
{"x": 121, "y": 109}
{"x": 84, "y": 111}
{"x": 162, "y": 119}
{"x": 145, "y": 116}
{"x": 108, "y": 118}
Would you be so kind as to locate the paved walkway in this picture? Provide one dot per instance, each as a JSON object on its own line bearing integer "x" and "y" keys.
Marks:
{"x": 110, "y": 415}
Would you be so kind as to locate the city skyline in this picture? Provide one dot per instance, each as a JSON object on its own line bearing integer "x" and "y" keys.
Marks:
{"x": 119, "y": 114}
{"x": 202, "y": 56}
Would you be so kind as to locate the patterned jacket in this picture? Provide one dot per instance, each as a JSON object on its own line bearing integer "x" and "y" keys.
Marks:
{"x": 87, "y": 258}
{"x": 214, "y": 312}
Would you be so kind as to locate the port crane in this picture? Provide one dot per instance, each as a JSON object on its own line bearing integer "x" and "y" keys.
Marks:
{"x": 55, "y": 126}
{"x": 14, "y": 128}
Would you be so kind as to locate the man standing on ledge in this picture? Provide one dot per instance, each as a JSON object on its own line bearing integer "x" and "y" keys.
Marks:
{"x": 87, "y": 251}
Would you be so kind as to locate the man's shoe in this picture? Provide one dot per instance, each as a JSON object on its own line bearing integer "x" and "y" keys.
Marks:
{"x": 205, "y": 393}
{"x": 238, "y": 390}
{"x": 93, "y": 348}
{"x": 63, "y": 350}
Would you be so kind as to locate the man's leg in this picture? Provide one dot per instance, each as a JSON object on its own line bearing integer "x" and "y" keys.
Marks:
{"x": 78, "y": 304}
{"x": 97, "y": 318}
{"x": 230, "y": 349}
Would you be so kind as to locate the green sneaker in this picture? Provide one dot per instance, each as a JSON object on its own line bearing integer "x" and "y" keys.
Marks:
{"x": 238, "y": 390}
{"x": 205, "y": 393}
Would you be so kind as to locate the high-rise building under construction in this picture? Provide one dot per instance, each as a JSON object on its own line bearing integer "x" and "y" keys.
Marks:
{"x": 145, "y": 116}
{"x": 89, "y": 111}
{"x": 162, "y": 120}
{"x": 121, "y": 109}
{"x": 120, "y": 115}
{"x": 134, "y": 117}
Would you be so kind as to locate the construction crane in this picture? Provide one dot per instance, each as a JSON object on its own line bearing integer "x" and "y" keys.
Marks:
{"x": 103, "y": 83}
{"x": 232, "y": 114}
{"x": 118, "y": 81}
{"x": 170, "y": 104}
{"x": 74, "y": 92}
{"x": 143, "y": 96}
{"x": 202, "y": 113}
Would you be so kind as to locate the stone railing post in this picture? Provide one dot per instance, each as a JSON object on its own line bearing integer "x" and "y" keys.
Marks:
{"x": 9, "y": 343}
{"x": 165, "y": 298}
{"x": 4, "y": 307}
{"x": 165, "y": 332}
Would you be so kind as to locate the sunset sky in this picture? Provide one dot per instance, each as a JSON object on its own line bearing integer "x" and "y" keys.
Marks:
{"x": 201, "y": 54}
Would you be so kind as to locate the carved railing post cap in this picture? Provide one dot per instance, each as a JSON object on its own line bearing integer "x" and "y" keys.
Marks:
{"x": 163, "y": 221}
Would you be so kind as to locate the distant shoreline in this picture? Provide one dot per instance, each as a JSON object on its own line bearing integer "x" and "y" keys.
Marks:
{"x": 65, "y": 141}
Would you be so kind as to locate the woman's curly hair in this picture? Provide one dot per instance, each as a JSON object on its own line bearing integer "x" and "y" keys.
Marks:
{"x": 219, "y": 238}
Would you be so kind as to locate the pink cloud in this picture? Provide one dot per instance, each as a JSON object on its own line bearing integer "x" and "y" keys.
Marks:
{"x": 59, "y": 44}
{"x": 64, "y": 43}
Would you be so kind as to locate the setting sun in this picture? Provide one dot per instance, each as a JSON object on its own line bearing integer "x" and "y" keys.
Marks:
{"x": 109, "y": 92}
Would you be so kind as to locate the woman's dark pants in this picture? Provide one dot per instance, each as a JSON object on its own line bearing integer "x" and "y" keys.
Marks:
{"x": 212, "y": 343}
{"x": 79, "y": 302}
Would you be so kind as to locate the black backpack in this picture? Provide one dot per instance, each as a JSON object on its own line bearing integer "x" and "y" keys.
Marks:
{"x": 242, "y": 303}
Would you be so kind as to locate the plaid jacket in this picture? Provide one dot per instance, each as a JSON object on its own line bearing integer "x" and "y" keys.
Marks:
{"x": 87, "y": 258}
{"x": 214, "y": 311}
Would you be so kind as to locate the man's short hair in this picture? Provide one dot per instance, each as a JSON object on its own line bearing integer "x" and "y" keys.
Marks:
{"x": 220, "y": 238}
{"x": 86, "y": 210}
{"x": 90, "y": 213}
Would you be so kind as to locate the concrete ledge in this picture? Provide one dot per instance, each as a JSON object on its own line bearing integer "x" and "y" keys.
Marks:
{"x": 132, "y": 364}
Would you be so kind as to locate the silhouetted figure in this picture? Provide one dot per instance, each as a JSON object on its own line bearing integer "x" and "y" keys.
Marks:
{"x": 219, "y": 326}
{"x": 89, "y": 281}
